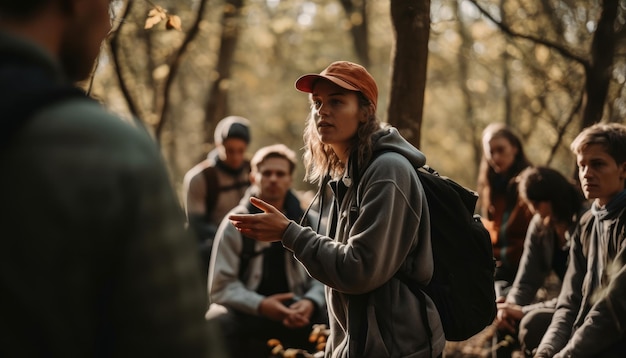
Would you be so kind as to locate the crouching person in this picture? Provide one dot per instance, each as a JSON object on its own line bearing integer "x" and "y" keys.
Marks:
{"x": 258, "y": 290}
{"x": 557, "y": 205}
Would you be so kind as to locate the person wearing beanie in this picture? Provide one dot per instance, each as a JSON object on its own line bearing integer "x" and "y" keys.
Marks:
{"x": 370, "y": 170}
{"x": 215, "y": 185}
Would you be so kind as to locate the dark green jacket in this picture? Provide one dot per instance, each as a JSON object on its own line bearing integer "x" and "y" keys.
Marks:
{"x": 93, "y": 259}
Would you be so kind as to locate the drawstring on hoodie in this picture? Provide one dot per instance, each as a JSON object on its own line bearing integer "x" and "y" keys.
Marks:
{"x": 318, "y": 196}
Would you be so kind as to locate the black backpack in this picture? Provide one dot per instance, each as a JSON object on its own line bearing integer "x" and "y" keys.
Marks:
{"x": 213, "y": 186}
{"x": 462, "y": 286}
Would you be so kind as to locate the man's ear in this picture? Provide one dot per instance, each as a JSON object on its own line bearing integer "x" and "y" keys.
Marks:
{"x": 252, "y": 177}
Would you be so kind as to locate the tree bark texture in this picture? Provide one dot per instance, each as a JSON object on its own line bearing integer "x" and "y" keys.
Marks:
{"x": 599, "y": 70}
{"x": 217, "y": 104}
{"x": 411, "y": 23}
{"x": 358, "y": 29}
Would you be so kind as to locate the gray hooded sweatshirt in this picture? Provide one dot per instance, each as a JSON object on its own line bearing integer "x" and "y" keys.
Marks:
{"x": 371, "y": 313}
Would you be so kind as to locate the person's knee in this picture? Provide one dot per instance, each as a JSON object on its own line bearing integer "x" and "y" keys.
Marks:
{"x": 215, "y": 311}
{"x": 532, "y": 328}
{"x": 231, "y": 332}
{"x": 225, "y": 318}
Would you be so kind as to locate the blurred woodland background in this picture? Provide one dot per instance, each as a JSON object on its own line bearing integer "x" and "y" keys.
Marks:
{"x": 445, "y": 69}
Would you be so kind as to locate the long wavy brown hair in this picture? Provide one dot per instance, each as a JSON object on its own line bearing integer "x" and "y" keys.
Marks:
{"x": 487, "y": 175}
{"x": 320, "y": 159}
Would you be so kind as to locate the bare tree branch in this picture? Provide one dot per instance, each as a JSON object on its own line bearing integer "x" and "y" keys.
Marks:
{"x": 563, "y": 128}
{"x": 115, "y": 49}
{"x": 560, "y": 49}
{"x": 175, "y": 65}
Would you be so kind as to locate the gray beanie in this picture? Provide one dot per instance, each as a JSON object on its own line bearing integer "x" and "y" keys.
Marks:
{"x": 232, "y": 127}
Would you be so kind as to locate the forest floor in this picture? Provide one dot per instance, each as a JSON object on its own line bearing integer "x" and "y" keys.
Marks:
{"x": 481, "y": 345}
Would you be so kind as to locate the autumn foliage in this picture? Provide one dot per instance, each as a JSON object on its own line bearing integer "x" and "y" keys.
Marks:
{"x": 158, "y": 14}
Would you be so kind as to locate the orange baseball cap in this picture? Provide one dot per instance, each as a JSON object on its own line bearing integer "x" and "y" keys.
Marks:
{"x": 344, "y": 74}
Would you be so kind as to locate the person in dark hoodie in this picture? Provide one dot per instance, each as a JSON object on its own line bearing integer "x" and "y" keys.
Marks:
{"x": 215, "y": 185}
{"x": 370, "y": 170}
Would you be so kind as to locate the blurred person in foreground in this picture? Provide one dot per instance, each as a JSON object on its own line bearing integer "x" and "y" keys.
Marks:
{"x": 94, "y": 260}
{"x": 591, "y": 308}
{"x": 379, "y": 223}
{"x": 557, "y": 204}
{"x": 258, "y": 290}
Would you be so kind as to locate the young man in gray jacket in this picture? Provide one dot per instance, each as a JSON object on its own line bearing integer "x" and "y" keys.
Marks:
{"x": 259, "y": 290}
{"x": 591, "y": 309}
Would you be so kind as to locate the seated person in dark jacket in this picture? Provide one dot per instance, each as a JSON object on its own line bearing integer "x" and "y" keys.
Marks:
{"x": 259, "y": 290}
{"x": 591, "y": 308}
{"x": 557, "y": 205}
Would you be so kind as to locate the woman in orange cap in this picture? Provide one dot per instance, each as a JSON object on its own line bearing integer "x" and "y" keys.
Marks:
{"x": 370, "y": 170}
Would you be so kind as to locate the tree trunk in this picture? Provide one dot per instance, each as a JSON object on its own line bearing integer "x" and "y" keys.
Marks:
{"x": 598, "y": 73}
{"x": 357, "y": 15}
{"x": 463, "y": 56}
{"x": 217, "y": 104}
{"x": 411, "y": 22}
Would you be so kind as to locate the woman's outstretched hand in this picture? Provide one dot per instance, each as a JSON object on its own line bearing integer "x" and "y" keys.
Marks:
{"x": 267, "y": 226}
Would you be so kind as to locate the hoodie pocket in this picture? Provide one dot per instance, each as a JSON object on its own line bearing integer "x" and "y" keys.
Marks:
{"x": 364, "y": 332}
{"x": 374, "y": 343}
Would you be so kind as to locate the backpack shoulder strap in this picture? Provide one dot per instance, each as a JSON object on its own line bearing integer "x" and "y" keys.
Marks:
{"x": 247, "y": 254}
{"x": 413, "y": 287}
{"x": 247, "y": 249}
{"x": 212, "y": 189}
